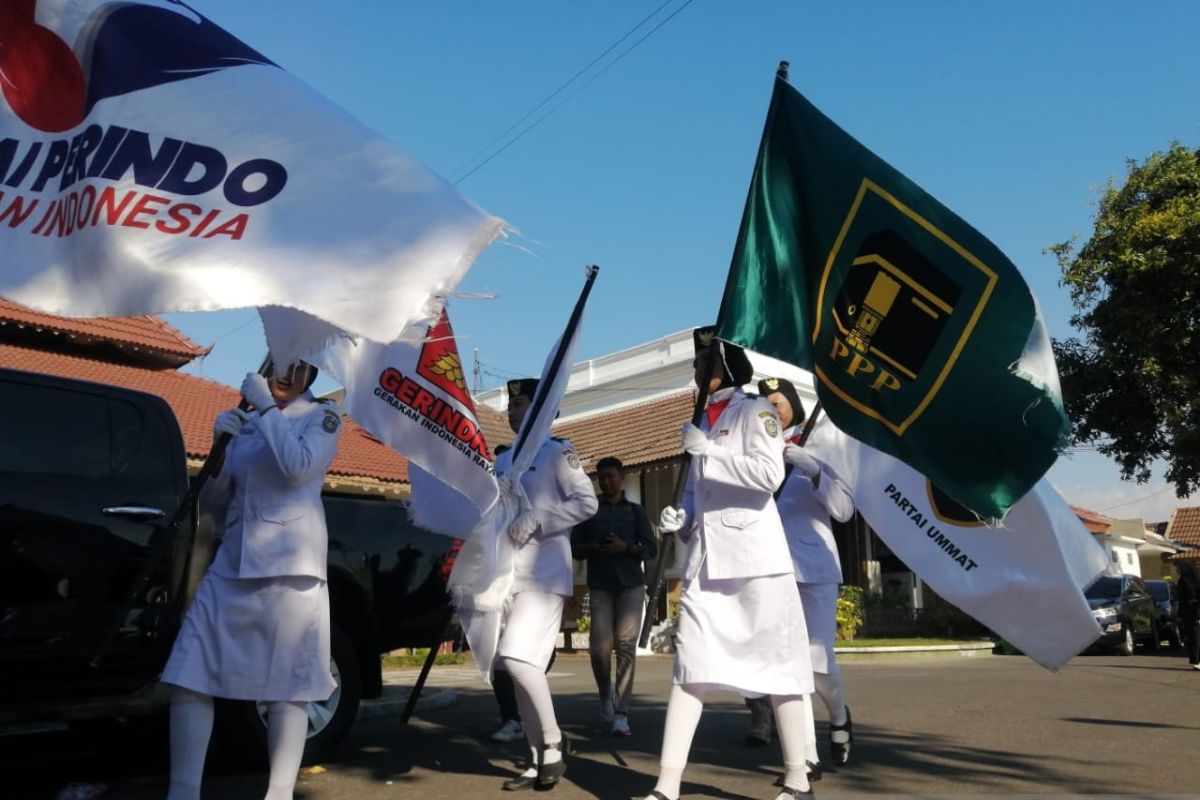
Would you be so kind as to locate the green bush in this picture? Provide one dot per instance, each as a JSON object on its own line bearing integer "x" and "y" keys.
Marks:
{"x": 849, "y": 612}
{"x": 417, "y": 658}
{"x": 583, "y": 624}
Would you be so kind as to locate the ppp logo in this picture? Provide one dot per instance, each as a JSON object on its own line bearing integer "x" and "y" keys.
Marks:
{"x": 123, "y": 47}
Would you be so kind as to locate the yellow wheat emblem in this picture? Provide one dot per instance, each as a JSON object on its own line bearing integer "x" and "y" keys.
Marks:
{"x": 450, "y": 368}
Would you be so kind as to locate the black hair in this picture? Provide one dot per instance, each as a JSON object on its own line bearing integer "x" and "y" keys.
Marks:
{"x": 610, "y": 462}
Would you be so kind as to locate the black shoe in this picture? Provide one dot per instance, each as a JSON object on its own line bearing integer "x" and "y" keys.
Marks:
{"x": 549, "y": 774}
{"x": 840, "y": 751}
{"x": 797, "y": 793}
{"x": 518, "y": 783}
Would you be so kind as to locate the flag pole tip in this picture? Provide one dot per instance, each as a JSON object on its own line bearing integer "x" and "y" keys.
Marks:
{"x": 591, "y": 270}
{"x": 782, "y": 71}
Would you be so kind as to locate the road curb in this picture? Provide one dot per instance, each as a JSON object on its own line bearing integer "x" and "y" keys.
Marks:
{"x": 392, "y": 707}
{"x": 969, "y": 650}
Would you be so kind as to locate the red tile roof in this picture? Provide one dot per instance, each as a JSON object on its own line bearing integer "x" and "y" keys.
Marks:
{"x": 196, "y": 401}
{"x": 638, "y": 435}
{"x": 1094, "y": 521}
{"x": 495, "y": 426}
{"x": 1184, "y": 526}
{"x": 145, "y": 333}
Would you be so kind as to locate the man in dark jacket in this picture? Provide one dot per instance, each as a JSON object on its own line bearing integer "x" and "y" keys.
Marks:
{"x": 615, "y": 542}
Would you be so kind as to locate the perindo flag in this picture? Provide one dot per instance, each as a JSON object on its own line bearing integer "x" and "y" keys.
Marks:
{"x": 924, "y": 340}
{"x": 1023, "y": 578}
{"x": 151, "y": 162}
{"x": 412, "y": 396}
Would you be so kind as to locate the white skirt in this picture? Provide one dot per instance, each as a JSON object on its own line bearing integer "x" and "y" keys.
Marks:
{"x": 744, "y": 635}
{"x": 820, "y": 614}
{"x": 531, "y": 627}
{"x": 264, "y": 639}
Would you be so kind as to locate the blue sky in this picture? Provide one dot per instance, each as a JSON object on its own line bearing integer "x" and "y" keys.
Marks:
{"x": 1010, "y": 113}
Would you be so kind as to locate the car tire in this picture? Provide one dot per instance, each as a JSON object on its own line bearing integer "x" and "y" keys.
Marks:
{"x": 243, "y": 724}
{"x": 1126, "y": 647}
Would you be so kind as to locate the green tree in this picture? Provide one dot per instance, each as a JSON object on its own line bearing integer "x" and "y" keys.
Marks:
{"x": 1131, "y": 381}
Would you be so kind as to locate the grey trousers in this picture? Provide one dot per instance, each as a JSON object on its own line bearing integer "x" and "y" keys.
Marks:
{"x": 616, "y": 616}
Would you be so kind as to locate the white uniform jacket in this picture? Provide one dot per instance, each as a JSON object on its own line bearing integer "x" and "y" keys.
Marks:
{"x": 271, "y": 482}
{"x": 805, "y": 508}
{"x": 731, "y": 520}
{"x": 561, "y": 496}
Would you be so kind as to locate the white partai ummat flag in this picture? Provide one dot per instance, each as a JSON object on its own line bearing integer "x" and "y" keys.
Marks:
{"x": 1023, "y": 577}
{"x": 151, "y": 162}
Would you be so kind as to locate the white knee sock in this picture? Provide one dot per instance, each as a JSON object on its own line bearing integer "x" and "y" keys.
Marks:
{"x": 683, "y": 715}
{"x": 810, "y": 732}
{"x": 191, "y": 728}
{"x": 829, "y": 687}
{"x": 287, "y": 728}
{"x": 537, "y": 708}
{"x": 791, "y": 719}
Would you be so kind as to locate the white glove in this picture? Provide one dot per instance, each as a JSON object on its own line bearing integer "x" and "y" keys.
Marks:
{"x": 256, "y": 391}
{"x": 521, "y": 529}
{"x": 798, "y": 457}
{"x": 695, "y": 441}
{"x": 229, "y": 421}
{"x": 671, "y": 519}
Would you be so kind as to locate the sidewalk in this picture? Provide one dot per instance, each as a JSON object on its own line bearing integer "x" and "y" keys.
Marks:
{"x": 397, "y": 688}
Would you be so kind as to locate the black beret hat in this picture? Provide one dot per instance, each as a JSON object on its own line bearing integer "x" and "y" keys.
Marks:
{"x": 522, "y": 387}
{"x": 769, "y": 386}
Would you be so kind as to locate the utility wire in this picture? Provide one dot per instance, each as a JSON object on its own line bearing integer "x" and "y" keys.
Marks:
{"x": 1139, "y": 499}
{"x": 587, "y": 83}
{"x": 555, "y": 93}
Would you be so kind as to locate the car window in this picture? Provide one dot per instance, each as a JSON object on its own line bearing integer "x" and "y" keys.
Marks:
{"x": 1103, "y": 588}
{"x": 1158, "y": 589}
{"x": 49, "y": 431}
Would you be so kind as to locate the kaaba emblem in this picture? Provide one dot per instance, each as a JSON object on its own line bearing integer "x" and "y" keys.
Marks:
{"x": 897, "y": 304}
{"x": 894, "y": 303}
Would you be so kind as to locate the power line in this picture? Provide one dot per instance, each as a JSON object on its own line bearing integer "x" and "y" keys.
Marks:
{"x": 1139, "y": 499}
{"x": 583, "y": 86}
{"x": 555, "y": 93}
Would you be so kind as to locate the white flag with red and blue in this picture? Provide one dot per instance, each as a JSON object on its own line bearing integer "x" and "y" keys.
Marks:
{"x": 152, "y": 162}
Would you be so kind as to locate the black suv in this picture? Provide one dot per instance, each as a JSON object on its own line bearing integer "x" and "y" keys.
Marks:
{"x": 89, "y": 475}
{"x": 1163, "y": 593}
{"x": 1126, "y": 613}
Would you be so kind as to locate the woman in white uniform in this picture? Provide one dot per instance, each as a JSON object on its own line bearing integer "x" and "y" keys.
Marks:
{"x": 258, "y": 628}
{"x": 741, "y": 625}
{"x": 811, "y": 495}
{"x": 560, "y": 496}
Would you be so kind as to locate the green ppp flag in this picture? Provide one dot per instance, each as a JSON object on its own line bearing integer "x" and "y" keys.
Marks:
{"x": 924, "y": 340}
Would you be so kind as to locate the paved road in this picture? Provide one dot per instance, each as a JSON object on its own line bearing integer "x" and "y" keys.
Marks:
{"x": 949, "y": 726}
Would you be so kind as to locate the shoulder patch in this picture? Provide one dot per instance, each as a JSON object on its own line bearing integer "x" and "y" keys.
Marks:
{"x": 572, "y": 459}
{"x": 770, "y": 423}
{"x": 331, "y": 422}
